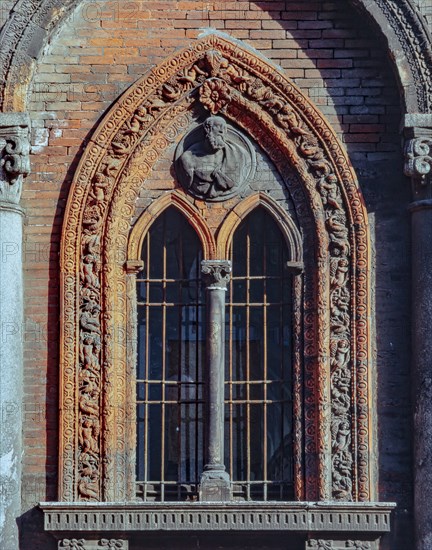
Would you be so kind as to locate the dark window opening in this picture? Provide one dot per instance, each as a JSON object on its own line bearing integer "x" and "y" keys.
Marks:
{"x": 258, "y": 378}
{"x": 171, "y": 363}
{"x": 171, "y": 346}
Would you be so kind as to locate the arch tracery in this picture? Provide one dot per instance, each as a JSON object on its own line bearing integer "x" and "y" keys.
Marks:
{"x": 144, "y": 122}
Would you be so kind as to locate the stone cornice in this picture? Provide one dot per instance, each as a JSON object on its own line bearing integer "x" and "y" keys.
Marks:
{"x": 199, "y": 516}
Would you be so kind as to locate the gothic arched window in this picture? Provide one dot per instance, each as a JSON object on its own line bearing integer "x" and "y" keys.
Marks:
{"x": 171, "y": 340}
{"x": 258, "y": 380}
{"x": 172, "y": 424}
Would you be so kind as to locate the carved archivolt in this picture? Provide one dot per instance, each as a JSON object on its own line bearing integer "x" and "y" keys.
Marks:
{"x": 333, "y": 425}
{"x": 32, "y": 22}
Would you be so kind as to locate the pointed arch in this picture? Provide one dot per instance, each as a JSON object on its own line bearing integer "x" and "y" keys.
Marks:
{"x": 192, "y": 214}
{"x": 113, "y": 169}
{"x": 283, "y": 221}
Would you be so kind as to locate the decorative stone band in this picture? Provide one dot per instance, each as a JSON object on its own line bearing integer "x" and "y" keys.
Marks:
{"x": 216, "y": 274}
{"x": 100, "y": 544}
{"x": 14, "y": 155}
{"x": 81, "y": 518}
{"x": 320, "y": 544}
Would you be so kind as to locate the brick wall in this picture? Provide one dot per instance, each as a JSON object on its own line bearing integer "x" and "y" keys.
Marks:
{"x": 331, "y": 53}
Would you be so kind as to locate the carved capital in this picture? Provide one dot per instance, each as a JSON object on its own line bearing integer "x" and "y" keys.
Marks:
{"x": 418, "y": 153}
{"x": 14, "y": 155}
{"x": 418, "y": 157}
{"x": 100, "y": 544}
{"x": 217, "y": 274}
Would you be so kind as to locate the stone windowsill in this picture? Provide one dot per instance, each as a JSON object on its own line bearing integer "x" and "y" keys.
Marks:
{"x": 81, "y": 517}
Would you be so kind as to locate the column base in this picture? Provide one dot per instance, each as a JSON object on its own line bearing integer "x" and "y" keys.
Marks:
{"x": 215, "y": 486}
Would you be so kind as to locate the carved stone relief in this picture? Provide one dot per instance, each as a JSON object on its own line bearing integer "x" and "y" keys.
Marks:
{"x": 100, "y": 544}
{"x": 214, "y": 161}
{"x": 286, "y": 125}
{"x": 418, "y": 159}
{"x": 321, "y": 544}
{"x": 14, "y": 155}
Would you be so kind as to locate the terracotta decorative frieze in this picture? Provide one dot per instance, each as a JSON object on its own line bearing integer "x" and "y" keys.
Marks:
{"x": 31, "y": 23}
{"x": 14, "y": 155}
{"x": 150, "y": 117}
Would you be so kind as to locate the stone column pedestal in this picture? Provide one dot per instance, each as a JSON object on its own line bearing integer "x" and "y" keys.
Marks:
{"x": 418, "y": 130}
{"x": 215, "y": 484}
{"x": 14, "y": 149}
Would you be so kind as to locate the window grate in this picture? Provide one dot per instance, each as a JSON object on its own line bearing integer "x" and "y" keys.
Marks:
{"x": 171, "y": 362}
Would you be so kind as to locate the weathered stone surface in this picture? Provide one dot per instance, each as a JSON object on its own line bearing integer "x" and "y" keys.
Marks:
{"x": 422, "y": 369}
{"x": 214, "y": 165}
{"x": 14, "y": 155}
{"x": 215, "y": 482}
{"x": 233, "y": 516}
{"x": 11, "y": 372}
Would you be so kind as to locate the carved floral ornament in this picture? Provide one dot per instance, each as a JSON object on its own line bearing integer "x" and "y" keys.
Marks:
{"x": 332, "y": 426}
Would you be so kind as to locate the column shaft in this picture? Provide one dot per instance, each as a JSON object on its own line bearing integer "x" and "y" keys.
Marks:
{"x": 215, "y": 374}
{"x": 422, "y": 369}
{"x": 14, "y": 166}
{"x": 215, "y": 482}
{"x": 11, "y": 372}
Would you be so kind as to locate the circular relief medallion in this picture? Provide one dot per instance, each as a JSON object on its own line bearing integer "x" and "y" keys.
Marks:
{"x": 214, "y": 161}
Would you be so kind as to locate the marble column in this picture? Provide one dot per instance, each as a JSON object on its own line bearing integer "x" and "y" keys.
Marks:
{"x": 14, "y": 165}
{"x": 418, "y": 149}
{"x": 215, "y": 482}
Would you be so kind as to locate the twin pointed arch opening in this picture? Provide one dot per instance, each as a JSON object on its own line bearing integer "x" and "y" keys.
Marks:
{"x": 219, "y": 246}
{"x": 101, "y": 254}
{"x": 254, "y": 438}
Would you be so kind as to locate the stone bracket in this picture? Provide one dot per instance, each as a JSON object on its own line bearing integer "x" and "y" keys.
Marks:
{"x": 14, "y": 155}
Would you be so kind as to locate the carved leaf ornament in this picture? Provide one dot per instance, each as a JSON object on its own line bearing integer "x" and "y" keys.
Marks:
{"x": 147, "y": 119}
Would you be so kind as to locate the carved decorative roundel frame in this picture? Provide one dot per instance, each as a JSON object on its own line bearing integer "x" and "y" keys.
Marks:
{"x": 333, "y": 421}
{"x": 196, "y": 136}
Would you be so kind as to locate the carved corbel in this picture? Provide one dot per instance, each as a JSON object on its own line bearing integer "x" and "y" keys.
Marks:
{"x": 14, "y": 155}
